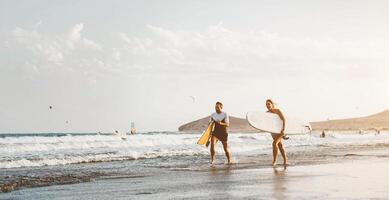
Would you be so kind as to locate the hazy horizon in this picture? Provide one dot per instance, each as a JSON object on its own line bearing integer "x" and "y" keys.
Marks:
{"x": 102, "y": 65}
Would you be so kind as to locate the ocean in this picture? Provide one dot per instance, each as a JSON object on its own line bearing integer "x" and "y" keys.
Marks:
{"x": 46, "y": 159}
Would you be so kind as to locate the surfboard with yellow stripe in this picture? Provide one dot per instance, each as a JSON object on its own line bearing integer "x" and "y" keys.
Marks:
{"x": 206, "y": 135}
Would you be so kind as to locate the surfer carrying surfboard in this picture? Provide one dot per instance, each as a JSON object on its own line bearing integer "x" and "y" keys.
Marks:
{"x": 221, "y": 121}
{"x": 277, "y": 138}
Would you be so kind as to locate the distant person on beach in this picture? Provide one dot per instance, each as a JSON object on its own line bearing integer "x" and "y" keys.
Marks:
{"x": 277, "y": 138}
{"x": 221, "y": 121}
{"x": 323, "y": 134}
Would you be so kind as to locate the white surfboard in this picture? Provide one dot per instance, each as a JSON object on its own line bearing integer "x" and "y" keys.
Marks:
{"x": 270, "y": 122}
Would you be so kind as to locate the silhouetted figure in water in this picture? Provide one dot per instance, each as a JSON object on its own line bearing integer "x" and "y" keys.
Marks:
{"x": 323, "y": 134}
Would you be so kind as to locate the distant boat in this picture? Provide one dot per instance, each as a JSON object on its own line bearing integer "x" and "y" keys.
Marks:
{"x": 133, "y": 129}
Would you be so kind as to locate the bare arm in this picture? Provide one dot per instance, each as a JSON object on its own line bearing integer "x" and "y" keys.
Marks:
{"x": 224, "y": 124}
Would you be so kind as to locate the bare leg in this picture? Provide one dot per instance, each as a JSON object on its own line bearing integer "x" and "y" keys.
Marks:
{"x": 213, "y": 142}
{"x": 276, "y": 141}
{"x": 283, "y": 153}
{"x": 227, "y": 151}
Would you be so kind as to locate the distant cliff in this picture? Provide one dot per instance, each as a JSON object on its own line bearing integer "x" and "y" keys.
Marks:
{"x": 236, "y": 125}
{"x": 379, "y": 121}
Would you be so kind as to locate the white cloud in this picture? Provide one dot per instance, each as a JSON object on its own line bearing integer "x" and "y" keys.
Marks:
{"x": 75, "y": 33}
{"x": 214, "y": 50}
{"x": 75, "y": 37}
{"x": 254, "y": 53}
{"x": 49, "y": 49}
{"x": 116, "y": 54}
{"x": 124, "y": 37}
{"x": 170, "y": 37}
{"x": 39, "y": 23}
{"x": 69, "y": 51}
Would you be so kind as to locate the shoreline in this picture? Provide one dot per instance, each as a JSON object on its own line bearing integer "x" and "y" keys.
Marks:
{"x": 336, "y": 180}
{"x": 149, "y": 183}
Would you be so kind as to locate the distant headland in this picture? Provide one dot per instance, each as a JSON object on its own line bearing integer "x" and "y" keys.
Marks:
{"x": 379, "y": 121}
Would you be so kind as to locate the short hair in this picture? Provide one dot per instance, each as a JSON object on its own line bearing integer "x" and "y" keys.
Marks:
{"x": 219, "y": 103}
{"x": 271, "y": 101}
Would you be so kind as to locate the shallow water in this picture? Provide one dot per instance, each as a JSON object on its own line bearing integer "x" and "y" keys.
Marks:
{"x": 33, "y": 160}
{"x": 363, "y": 178}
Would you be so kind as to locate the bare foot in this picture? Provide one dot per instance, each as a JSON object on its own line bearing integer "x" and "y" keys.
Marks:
{"x": 273, "y": 163}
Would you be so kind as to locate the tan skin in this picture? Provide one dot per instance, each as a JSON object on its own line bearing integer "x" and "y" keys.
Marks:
{"x": 277, "y": 138}
{"x": 218, "y": 109}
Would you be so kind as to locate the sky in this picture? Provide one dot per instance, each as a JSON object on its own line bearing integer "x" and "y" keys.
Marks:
{"x": 104, "y": 64}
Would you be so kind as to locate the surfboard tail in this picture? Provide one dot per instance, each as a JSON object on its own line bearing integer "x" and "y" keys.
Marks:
{"x": 206, "y": 145}
{"x": 206, "y": 135}
{"x": 209, "y": 140}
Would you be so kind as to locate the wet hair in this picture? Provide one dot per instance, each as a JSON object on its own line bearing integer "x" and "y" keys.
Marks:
{"x": 219, "y": 103}
{"x": 269, "y": 100}
{"x": 272, "y": 103}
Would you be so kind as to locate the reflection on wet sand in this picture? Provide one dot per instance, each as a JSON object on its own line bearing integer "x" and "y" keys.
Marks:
{"x": 221, "y": 182}
{"x": 279, "y": 182}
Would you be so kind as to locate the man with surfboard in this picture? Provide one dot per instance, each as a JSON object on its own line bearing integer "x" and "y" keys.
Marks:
{"x": 221, "y": 122}
{"x": 277, "y": 138}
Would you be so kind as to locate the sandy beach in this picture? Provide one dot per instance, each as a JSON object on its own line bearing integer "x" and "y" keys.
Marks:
{"x": 325, "y": 171}
{"x": 351, "y": 179}
{"x": 118, "y": 99}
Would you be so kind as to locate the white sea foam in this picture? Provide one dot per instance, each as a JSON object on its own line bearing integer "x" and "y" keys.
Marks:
{"x": 29, "y": 151}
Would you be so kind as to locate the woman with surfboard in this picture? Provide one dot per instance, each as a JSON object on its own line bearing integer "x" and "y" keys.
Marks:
{"x": 221, "y": 122}
{"x": 277, "y": 138}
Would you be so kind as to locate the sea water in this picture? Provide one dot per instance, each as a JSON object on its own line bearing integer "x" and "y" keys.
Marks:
{"x": 39, "y": 159}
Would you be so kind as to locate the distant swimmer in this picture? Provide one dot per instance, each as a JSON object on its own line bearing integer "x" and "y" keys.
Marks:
{"x": 221, "y": 121}
{"x": 323, "y": 134}
{"x": 277, "y": 143}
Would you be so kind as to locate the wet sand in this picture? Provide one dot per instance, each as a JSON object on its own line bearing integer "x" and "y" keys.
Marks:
{"x": 355, "y": 176}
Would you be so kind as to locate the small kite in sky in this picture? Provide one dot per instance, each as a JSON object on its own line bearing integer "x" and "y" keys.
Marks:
{"x": 193, "y": 98}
